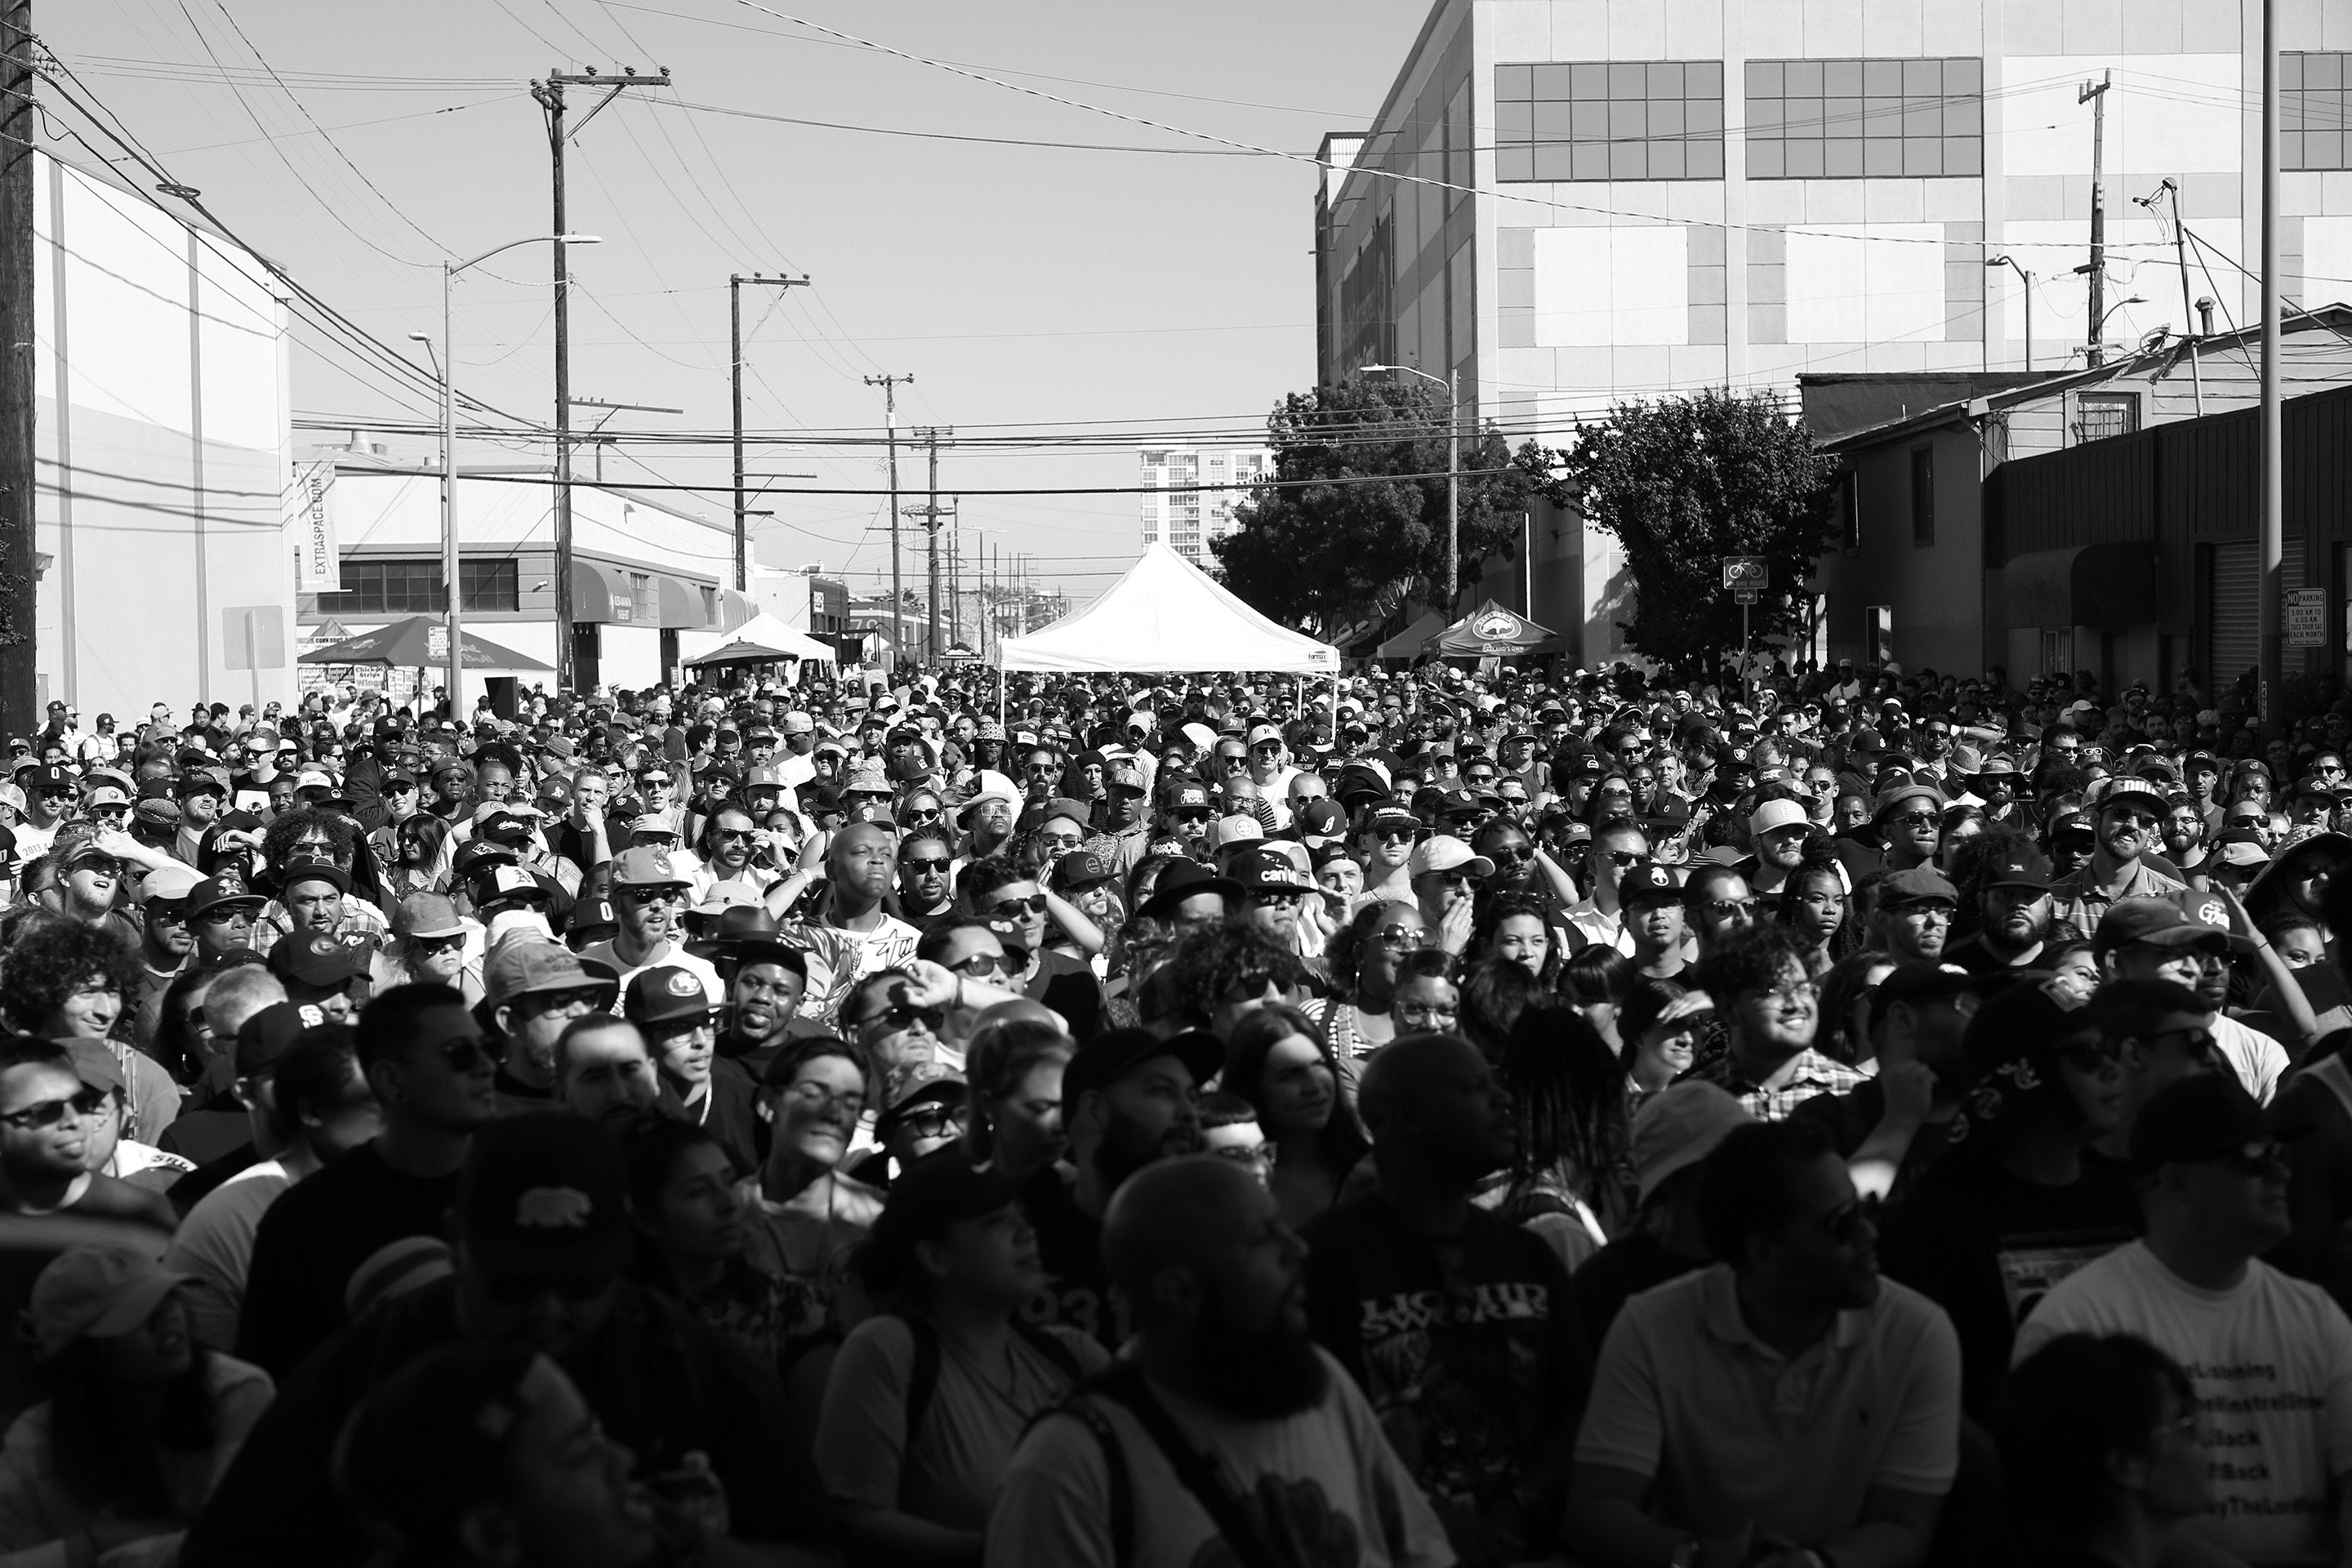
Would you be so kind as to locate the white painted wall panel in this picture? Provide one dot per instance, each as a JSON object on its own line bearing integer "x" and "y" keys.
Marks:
{"x": 1602, "y": 286}
{"x": 1856, "y": 284}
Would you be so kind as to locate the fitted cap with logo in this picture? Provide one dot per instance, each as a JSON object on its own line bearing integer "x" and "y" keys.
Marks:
{"x": 1774, "y": 815}
{"x": 271, "y": 1033}
{"x": 1921, "y": 983}
{"x": 647, "y": 866}
{"x": 544, "y": 1196}
{"x": 1443, "y": 852}
{"x": 664, "y": 994}
{"x": 505, "y": 884}
{"x": 321, "y": 960}
{"x": 2158, "y": 922}
{"x": 1320, "y": 822}
{"x": 1083, "y": 868}
{"x": 2137, "y": 792}
{"x": 913, "y": 1083}
{"x": 2211, "y": 910}
{"x": 1264, "y": 732}
{"x": 1270, "y": 871}
{"x": 1648, "y": 883}
{"x": 2017, "y": 864}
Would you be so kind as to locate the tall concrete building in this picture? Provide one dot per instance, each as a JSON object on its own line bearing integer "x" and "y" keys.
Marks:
{"x": 1570, "y": 202}
{"x": 1182, "y": 514}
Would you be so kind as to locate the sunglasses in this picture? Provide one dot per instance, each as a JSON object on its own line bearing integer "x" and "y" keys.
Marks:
{"x": 431, "y": 946}
{"x": 1034, "y": 904}
{"x": 931, "y": 1121}
{"x": 736, "y": 835}
{"x": 978, "y": 966}
{"x": 49, "y": 1112}
{"x": 1402, "y": 939}
{"x": 925, "y": 864}
{"x": 898, "y": 1017}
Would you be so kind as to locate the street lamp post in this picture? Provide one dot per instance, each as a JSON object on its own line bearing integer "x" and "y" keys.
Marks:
{"x": 449, "y": 561}
{"x": 2025, "y": 279}
{"x": 1451, "y": 381}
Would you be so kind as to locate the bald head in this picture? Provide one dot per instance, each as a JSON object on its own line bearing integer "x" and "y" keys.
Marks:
{"x": 857, "y": 839}
{"x": 1177, "y": 1213}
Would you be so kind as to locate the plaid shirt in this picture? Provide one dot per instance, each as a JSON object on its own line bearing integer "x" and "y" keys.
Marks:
{"x": 1807, "y": 1074}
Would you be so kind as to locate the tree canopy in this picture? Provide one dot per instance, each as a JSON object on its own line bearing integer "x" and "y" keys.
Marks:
{"x": 1360, "y": 506}
{"x": 1684, "y": 482}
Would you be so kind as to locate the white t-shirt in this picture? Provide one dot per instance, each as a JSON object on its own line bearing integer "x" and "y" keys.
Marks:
{"x": 2272, "y": 1362}
{"x": 677, "y": 957}
{"x": 2259, "y": 1061}
{"x": 214, "y": 1244}
{"x": 1323, "y": 1484}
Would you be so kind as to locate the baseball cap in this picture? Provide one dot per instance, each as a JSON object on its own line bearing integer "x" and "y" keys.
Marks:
{"x": 1123, "y": 773}
{"x": 2211, "y": 910}
{"x": 913, "y": 1083}
{"x": 544, "y": 1196}
{"x": 271, "y": 1033}
{"x": 169, "y": 884}
{"x": 320, "y": 958}
{"x": 96, "y": 1292}
{"x": 1269, "y": 872}
{"x": 1443, "y": 852}
{"x": 2030, "y": 1016}
{"x": 1264, "y": 732}
{"x": 2017, "y": 864}
{"x": 936, "y": 1192}
{"x": 325, "y": 872}
{"x": 1894, "y": 799}
{"x": 2204, "y": 1116}
{"x": 1322, "y": 821}
{"x": 664, "y": 994}
{"x": 215, "y": 893}
{"x": 1676, "y": 1127}
{"x": 1113, "y": 1054}
{"x": 1923, "y": 983}
{"x": 519, "y": 967}
{"x": 2158, "y": 922}
{"x": 1390, "y": 819}
{"x": 1648, "y": 883}
{"x": 2126, "y": 789}
{"x": 1063, "y": 806}
{"x": 1774, "y": 815}
{"x": 647, "y": 866}
{"x": 1916, "y": 885}
{"x": 1083, "y": 868}
{"x": 494, "y": 883}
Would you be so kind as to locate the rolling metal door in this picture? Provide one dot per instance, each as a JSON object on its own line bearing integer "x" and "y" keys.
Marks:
{"x": 2233, "y": 626}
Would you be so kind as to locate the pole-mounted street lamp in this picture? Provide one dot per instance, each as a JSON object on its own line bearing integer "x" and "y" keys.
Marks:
{"x": 1451, "y": 381}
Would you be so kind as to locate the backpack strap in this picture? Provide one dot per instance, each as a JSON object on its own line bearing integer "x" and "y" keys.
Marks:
{"x": 923, "y": 1379}
{"x": 1050, "y": 1345}
{"x": 1121, "y": 1523}
{"x": 1197, "y": 1470}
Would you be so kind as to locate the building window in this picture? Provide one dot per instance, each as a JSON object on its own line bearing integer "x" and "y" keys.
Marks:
{"x": 2099, "y": 415}
{"x": 1614, "y": 120}
{"x": 2316, "y": 111}
{"x": 1849, "y": 120}
{"x": 377, "y": 587}
{"x": 1881, "y": 630}
{"x": 1923, "y": 495}
{"x": 2058, "y": 651}
{"x": 1849, "y": 503}
{"x": 1154, "y": 459}
{"x": 710, "y": 606}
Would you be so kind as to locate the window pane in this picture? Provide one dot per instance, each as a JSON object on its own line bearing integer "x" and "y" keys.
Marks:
{"x": 1842, "y": 79}
{"x": 1880, "y": 79}
{"x": 1627, "y": 160}
{"x": 1668, "y": 161}
{"x": 1553, "y": 121}
{"x": 1882, "y": 157}
{"x": 1666, "y": 119}
{"x": 1511, "y": 122}
{"x": 1842, "y": 117}
{"x": 1923, "y": 78}
{"x": 1589, "y": 120}
{"x": 1803, "y": 78}
{"x": 1626, "y": 120}
{"x": 1805, "y": 160}
{"x": 1515, "y": 164}
{"x": 1765, "y": 159}
{"x": 1704, "y": 159}
{"x": 1702, "y": 79}
{"x": 1556, "y": 81}
{"x": 1514, "y": 82}
{"x": 2323, "y": 70}
{"x": 1963, "y": 155}
{"x": 1628, "y": 80}
{"x": 1666, "y": 79}
{"x": 1763, "y": 79}
{"x": 1703, "y": 114}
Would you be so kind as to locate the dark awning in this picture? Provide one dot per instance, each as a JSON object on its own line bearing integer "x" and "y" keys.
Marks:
{"x": 601, "y": 593}
{"x": 680, "y": 606}
{"x": 2084, "y": 586}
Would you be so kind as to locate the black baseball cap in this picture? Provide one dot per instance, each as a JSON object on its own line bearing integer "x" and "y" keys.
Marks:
{"x": 2203, "y": 1116}
{"x": 1111, "y": 1056}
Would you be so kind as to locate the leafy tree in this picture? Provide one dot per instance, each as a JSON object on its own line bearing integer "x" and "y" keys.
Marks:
{"x": 1683, "y": 482}
{"x": 1363, "y": 507}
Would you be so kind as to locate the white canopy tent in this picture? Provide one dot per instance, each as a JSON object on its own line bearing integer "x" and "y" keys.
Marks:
{"x": 761, "y": 631}
{"x": 1166, "y": 613}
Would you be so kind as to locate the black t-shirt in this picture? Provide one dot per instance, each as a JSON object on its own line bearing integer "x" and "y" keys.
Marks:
{"x": 1069, "y": 987}
{"x": 314, "y": 1238}
{"x": 1849, "y": 1118}
{"x": 1077, "y": 1293}
{"x": 1972, "y": 956}
{"x": 1471, "y": 1352}
{"x": 1620, "y": 1271}
{"x": 1986, "y": 1245}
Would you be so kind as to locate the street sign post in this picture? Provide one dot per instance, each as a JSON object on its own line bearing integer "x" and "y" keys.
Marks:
{"x": 1747, "y": 576}
{"x": 2306, "y": 617}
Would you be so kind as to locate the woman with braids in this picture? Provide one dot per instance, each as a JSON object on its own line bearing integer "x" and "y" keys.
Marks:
{"x": 66, "y": 982}
{"x": 1512, "y": 927}
{"x": 1362, "y": 957}
{"x": 1814, "y": 907}
{"x": 1568, "y": 1181}
{"x": 1276, "y": 1059}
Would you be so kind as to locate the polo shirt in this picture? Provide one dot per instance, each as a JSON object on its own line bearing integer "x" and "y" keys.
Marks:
{"x": 2078, "y": 899}
{"x": 1730, "y": 1431}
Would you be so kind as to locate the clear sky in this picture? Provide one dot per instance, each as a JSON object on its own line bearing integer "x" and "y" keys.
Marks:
{"x": 1048, "y": 290}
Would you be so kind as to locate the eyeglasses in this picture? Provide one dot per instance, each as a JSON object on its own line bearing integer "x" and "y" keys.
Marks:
{"x": 978, "y": 966}
{"x": 922, "y": 866}
{"x": 1271, "y": 899}
{"x": 1724, "y": 909}
{"x": 1791, "y": 991}
{"x": 1406, "y": 939}
{"x": 49, "y": 1112}
{"x": 1010, "y": 909}
{"x": 898, "y": 1017}
{"x": 1427, "y": 1013}
{"x": 932, "y": 1121}
{"x": 1256, "y": 1156}
{"x": 578, "y": 1003}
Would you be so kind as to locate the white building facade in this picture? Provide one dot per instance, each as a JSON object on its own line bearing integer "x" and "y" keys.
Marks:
{"x": 1182, "y": 514}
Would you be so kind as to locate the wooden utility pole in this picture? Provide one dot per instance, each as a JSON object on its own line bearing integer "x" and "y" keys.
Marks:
{"x": 735, "y": 281}
{"x": 19, "y": 699}
{"x": 889, "y": 385}
{"x": 550, "y": 94}
{"x": 2096, "y": 96}
{"x": 931, "y": 436}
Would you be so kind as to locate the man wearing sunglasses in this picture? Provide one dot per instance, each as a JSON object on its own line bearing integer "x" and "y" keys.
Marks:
{"x": 50, "y": 1122}
{"x": 1017, "y": 910}
{"x": 1599, "y": 919}
{"x": 649, "y": 893}
{"x": 2270, "y": 1356}
{"x": 2126, "y": 821}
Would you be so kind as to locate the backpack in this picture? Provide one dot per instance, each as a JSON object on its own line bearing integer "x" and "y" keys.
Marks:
{"x": 923, "y": 1378}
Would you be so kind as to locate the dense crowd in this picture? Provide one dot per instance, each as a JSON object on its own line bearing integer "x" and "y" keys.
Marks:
{"x": 1855, "y": 1121}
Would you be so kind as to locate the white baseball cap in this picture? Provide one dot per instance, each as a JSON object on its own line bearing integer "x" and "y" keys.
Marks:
{"x": 1776, "y": 814}
{"x": 1446, "y": 853}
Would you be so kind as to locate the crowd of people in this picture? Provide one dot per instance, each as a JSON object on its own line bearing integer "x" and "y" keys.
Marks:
{"x": 1456, "y": 1115}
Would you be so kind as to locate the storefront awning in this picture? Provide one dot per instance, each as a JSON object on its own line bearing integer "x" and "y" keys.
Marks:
{"x": 2085, "y": 586}
{"x": 601, "y": 595}
{"x": 680, "y": 605}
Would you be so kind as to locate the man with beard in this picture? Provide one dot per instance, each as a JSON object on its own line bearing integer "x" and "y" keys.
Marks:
{"x": 1128, "y": 1099}
{"x": 1700, "y": 1440}
{"x": 1894, "y": 1125}
{"x": 2184, "y": 838}
{"x": 1228, "y": 1430}
{"x": 1386, "y": 833}
{"x": 1600, "y": 920}
{"x": 766, "y": 978}
{"x": 2012, "y": 910}
{"x": 1188, "y": 817}
{"x": 1483, "y": 1402}
{"x": 1779, "y": 828}
{"x": 541, "y": 1222}
{"x": 535, "y": 989}
{"x": 986, "y": 819}
{"x": 2188, "y": 939}
{"x": 2124, "y": 820}
{"x": 925, "y": 891}
{"x": 1914, "y": 914}
{"x": 649, "y": 892}
{"x": 1126, "y": 836}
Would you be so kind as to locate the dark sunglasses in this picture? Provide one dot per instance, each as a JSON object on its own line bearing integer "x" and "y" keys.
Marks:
{"x": 1034, "y": 904}
{"x": 898, "y": 1016}
{"x": 932, "y": 1121}
{"x": 49, "y": 1112}
{"x": 924, "y": 865}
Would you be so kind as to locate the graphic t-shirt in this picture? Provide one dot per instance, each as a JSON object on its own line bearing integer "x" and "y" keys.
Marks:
{"x": 1077, "y": 1292}
{"x": 1470, "y": 1352}
{"x": 2272, "y": 1361}
{"x": 1324, "y": 1487}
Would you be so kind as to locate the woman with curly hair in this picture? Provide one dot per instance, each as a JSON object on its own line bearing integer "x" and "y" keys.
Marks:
{"x": 1222, "y": 972}
{"x": 64, "y": 981}
{"x": 1277, "y": 1060}
{"x": 1513, "y": 927}
{"x": 1362, "y": 957}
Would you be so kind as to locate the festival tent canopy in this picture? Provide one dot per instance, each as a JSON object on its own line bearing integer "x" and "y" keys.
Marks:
{"x": 420, "y": 642}
{"x": 1408, "y": 642}
{"x": 1166, "y": 613}
{"x": 1491, "y": 630}
{"x": 762, "y": 640}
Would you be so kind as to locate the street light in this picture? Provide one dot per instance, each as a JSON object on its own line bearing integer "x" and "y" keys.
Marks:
{"x": 2026, "y": 279}
{"x": 448, "y": 372}
{"x": 1451, "y": 382}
